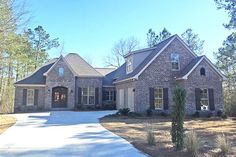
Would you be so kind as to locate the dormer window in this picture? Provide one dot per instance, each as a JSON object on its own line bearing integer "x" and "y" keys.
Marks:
{"x": 175, "y": 61}
{"x": 202, "y": 72}
{"x": 61, "y": 72}
{"x": 129, "y": 66}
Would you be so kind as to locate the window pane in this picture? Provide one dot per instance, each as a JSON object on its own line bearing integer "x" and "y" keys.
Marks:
{"x": 84, "y": 91}
{"x": 175, "y": 61}
{"x": 204, "y": 101}
{"x": 56, "y": 96}
{"x": 105, "y": 95}
{"x": 91, "y": 91}
{"x": 84, "y": 100}
{"x": 61, "y": 71}
{"x": 91, "y": 100}
{"x": 111, "y": 95}
{"x": 30, "y": 97}
{"x": 158, "y": 93}
{"x": 174, "y": 57}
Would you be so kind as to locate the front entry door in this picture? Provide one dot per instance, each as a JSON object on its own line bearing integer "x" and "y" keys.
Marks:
{"x": 59, "y": 97}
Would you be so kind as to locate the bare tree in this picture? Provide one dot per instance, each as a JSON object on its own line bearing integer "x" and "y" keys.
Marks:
{"x": 119, "y": 50}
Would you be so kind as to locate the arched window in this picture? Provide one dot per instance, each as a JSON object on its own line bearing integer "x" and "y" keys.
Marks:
{"x": 202, "y": 72}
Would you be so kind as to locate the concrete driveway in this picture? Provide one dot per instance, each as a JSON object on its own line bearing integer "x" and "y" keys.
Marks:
{"x": 65, "y": 133}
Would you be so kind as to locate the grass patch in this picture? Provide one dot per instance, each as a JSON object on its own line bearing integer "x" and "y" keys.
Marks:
{"x": 133, "y": 129}
{"x": 6, "y": 122}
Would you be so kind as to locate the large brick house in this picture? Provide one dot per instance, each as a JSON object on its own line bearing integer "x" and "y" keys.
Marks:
{"x": 146, "y": 80}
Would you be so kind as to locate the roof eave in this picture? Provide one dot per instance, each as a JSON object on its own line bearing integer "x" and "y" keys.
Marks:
{"x": 124, "y": 80}
{"x": 29, "y": 85}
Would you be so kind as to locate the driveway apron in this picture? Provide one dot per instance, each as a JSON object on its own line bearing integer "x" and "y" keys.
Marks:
{"x": 62, "y": 134}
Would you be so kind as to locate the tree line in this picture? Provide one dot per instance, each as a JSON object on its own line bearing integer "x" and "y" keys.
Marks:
{"x": 226, "y": 56}
{"x": 22, "y": 49}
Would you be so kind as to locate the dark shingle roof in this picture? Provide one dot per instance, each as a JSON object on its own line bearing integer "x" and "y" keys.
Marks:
{"x": 80, "y": 66}
{"x": 37, "y": 77}
{"x": 189, "y": 66}
{"x": 155, "y": 51}
{"x": 114, "y": 75}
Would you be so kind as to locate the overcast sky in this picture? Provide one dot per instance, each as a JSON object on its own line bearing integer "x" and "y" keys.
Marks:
{"x": 91, "y": 27}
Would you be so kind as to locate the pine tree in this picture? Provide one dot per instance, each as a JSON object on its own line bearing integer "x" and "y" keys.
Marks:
{"x": 178, "y": 113}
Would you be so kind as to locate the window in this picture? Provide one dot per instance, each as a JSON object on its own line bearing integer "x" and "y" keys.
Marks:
{"x": 175, "y": 61}
{"x": 158, "y": 98}
{"x": 61, "y": 71}
{"x": 204, "y": 100}
{"x": 129, "y": 67}
{"x": 30, "y": 97}
{"x": 108, "y": 95}
{"x": 202, "y": 72}
{"x": 88, "y": 96}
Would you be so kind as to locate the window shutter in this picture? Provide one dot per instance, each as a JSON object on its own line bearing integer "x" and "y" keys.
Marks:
{"x": 103, "y": 95}
{"x": 211, "y": 99}
{"x": 36, "y": 93}
{"x": 114, "y": 95}
{"x": 96, "y": 96}
{"x": 24, "y": 96}
{"x": 197, "y": 98}
{"x": 79, "y": 95}
{"x": 166, "y": 99}
{"x": 151, "y": 98}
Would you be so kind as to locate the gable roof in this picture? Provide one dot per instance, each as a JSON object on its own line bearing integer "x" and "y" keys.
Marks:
{"x": 80, "y": 66}
{"x": 37, "y": 78}
{"x": 159, "y": 48}
{"x": 60, "y": 58}
{"x": 193, "y": 65}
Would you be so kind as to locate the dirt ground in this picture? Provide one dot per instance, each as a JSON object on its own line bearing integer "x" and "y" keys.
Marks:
{"x": 6, "y": 122}
{"x": 134, "y": 129}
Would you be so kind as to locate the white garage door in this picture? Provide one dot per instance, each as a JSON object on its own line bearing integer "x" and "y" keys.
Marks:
{"x": 121, "y": 98}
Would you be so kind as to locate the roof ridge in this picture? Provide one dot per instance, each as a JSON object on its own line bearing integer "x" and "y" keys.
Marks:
{"x": 149, "y": 48}
{"x": 83, "y": 60}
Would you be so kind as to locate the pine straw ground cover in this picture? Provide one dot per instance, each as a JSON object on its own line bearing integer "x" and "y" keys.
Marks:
{"x": 133, "y": 129}
{"x": 6, "y": 122}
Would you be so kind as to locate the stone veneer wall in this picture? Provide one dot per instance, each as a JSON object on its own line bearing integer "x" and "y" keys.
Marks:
{"x": 53, "y": 80}
{"x": 20, "y": 107}
{"x": 160, "y": 74}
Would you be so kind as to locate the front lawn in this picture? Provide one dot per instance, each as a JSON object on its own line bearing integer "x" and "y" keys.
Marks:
{"x": 207, "y": 129}
{"x": 6, "y": 122}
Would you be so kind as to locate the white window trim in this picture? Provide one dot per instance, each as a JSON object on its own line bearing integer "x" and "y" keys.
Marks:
{"x": 155, "y": 98}
{"x": 175, "y": 62}
{"x": 88, "y": 95}
{"x": 30, "y": 104}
